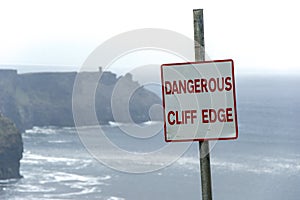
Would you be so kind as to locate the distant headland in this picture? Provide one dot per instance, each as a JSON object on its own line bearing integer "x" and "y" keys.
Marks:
{"x": 45, "y": 98}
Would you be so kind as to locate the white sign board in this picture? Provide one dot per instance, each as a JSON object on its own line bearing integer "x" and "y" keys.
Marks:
{"x": 199, "y": 101}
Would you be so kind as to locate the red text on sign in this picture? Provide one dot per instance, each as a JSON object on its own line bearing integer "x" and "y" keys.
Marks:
{"x": 220, "y": 115}
{"x": 198, "y": 85}
{"x": 182, "y": 117}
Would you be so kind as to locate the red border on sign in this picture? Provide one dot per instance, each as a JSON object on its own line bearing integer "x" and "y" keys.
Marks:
{"x": 234, "y": 101}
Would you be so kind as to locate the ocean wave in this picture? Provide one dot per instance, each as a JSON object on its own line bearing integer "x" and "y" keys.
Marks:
{"x": 50, "y": 130}
{"x": 34, "y": 189}
{"x": 59, "y": 141}
{"x": 42, "y": 130}
{"x": 84, "y": 180}
{"x": 51, "y": 184}
{"x": 78, "y": 184}
{"x": 115, "y": 198}
{"x": 8, "y": 181}
{"x": 116, "y": 124}
{"x": 267, "y": 165}
{"x": 147, "y": 123}
{"x": 30, "y": 158}
{"x": 56, "y": 129}
{"x": 104, "y": 178}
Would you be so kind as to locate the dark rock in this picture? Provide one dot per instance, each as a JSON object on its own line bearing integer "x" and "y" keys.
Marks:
{"x": 11, "y": 149}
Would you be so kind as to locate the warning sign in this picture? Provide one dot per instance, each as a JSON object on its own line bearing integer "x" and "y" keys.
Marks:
{"x": 199, "y": 101}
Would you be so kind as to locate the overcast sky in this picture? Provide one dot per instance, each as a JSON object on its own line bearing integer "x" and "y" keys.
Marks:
{"x": 260, "y": 36}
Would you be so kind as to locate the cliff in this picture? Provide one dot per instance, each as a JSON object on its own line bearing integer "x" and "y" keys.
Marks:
{"x": 11, "y": 149}
{"x": 45, "y": 99}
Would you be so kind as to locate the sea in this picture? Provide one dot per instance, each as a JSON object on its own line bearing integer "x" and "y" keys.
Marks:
{"x": 262, "y": 164}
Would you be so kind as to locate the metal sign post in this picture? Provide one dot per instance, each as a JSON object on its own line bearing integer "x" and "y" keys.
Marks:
{"x": 203, "y": 146}
{"x": 188, "y": 90}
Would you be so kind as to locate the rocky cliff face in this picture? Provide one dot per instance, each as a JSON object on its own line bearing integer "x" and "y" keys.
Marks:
{"x": 11, "y": 149}
{"x": 45, "y": 99}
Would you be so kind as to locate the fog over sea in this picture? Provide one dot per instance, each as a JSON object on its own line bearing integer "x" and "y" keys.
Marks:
{"x": 262, "y": 164}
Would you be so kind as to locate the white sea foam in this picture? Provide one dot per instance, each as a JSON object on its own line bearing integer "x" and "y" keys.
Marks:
{"x": 88, "y": 180}
{"x": 34, "y": 188}
{"x": 107, "y": 177}
{"x": 267, "y": 165}
{"x": 147, "y": 123}
{"x": 152, "y": 122}
{"x": 58, "y": 141}
{"x": 115, "y": 198}
{"x": 67, "y": 128}
{"x": 82, "y": 184}
{"x": 32, "y": 162}
{"x": 50, "y": 130}
{"x": 42, "y": 130}
{"x": 117, "y": 124}
{"x": 38, "y": 159}
{"x": 8, "y": 181}
{"x": 70, "y": 179}
{"x": 50, "y": 159}
{"x": 188, "y": 161}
